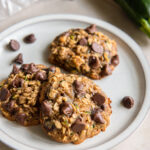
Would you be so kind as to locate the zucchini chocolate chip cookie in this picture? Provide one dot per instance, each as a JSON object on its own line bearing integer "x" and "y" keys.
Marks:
{"x": 85, "y": 51}
{"x": 73, "y": 108}
{"x": 20, "y": 91}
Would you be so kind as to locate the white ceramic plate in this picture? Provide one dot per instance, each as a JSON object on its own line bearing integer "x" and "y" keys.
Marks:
{"x": 131, "y": 77}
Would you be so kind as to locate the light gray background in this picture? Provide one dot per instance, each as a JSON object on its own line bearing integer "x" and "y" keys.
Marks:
{"x": 106, "y": 10}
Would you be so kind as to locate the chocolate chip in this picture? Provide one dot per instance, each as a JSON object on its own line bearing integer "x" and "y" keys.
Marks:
{"x": 78, "y": 126}
{"x": 83, "y": 42}
{"x": 115, "y": 60}
{"x": 24, "y": 67}
{"x": 32, "y": 68}
{"x": 19, "y": 59}
{"x": 97, "y": 117}
{"x": 41, "y": 75}
{"x": 128, "y": 102}
{"x": 97, "y": 48}
{"x": 14, "y": 45}
{"x": 106, "y": 70}
{"x": 52, "y": 68}
{"x": 9, "y": 106}
{"x": 4, "y": 94}
{"x": 93, "y": 62}
{"x": 18, "y": 82}
{"x": 48, "y": 126}
{"x": 98, "y": 99}
{"x": 15, "y": 69}
{"x": 91, "y": 29}
{"x": 20, "y": 118}
{"x": 29, "y": 68}
{"x": 30, "y": 38}
{"x": 46, "y": 108}
{"x": 103, "y": 107}
{"x": 66, "y": 109}
{"x": 78, "y": 86}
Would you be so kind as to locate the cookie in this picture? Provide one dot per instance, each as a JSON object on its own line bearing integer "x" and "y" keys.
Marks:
{"x": 19, "y": 93}
{"x": 73, "y": 108}
{"x": 84, "y": 51}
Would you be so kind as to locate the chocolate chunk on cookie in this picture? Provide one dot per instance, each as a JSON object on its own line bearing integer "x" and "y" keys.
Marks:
{"x": 94, "y": 62}
{"x": 91, "y": 29}
{"x": 15, "y": 69}
{"x": 66, "y": 109}
{"x": 78, "y": 126}
{"x": 4, "y": 94}
{"x": 83, "y": 42}
{"x": 41, "y": 75}
{"x": 46, "y": 108}
{"x": 98, "y": 98}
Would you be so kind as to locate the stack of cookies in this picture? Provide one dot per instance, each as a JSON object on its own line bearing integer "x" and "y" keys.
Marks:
{"x": 70, "y": 107}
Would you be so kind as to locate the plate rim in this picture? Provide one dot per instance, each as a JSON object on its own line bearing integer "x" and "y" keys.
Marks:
{"x": 121, "y": 35}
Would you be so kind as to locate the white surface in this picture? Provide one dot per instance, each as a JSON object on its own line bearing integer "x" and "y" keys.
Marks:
{"x": 127, "y": 79}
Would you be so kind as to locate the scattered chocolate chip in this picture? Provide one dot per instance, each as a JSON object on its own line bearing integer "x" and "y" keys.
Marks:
{"x": 128, "y": 102}
{"x": 41, "y": 75}
{"x": 83, "y": 42}
{"x": 106, "y": 70}
{"x": 30, "y": 38}
{"x": 115, "y": 60}
{"x": 19, "y": 59}
{"x": 97, "y": 117}
{"x": 14, "y": 45}
{"x": 20, "y": 118}
{"x": 66, "y": 109}
{"x": 91, "y": 29}
{"x": 52, "y": 68}
{"x": 18, "y": 82}
{"x": 97, "y": 48}
{"x": 78, "y": 86}
{"x": 46, "y": 108}
{"x": 15, "y": 69}
{"x": 9, "y": 106}
{"x": 93, "y": 62}
{"x": 98, "y": 99}
{"x": 4, "y": 94}
{"x": 78, "y": 126}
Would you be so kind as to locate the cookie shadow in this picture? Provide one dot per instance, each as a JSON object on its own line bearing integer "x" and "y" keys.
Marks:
{"x": 45, "y": 55}
{"x": 37, "y": 131}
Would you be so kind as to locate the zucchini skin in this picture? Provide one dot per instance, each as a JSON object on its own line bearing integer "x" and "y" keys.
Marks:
{"x": 139, "y": 12}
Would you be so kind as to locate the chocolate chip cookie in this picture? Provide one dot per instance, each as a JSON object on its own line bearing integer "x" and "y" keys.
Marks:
{"x": 73, "y": 108}
{"x": 19, "y": 93}
{"x": 85, "y": 51}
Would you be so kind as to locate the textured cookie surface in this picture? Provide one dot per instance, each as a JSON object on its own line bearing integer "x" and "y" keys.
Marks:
{"x": 19, "y": 93}
{"x": 73, "y": 108}
{"x": 85, "y": 51}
